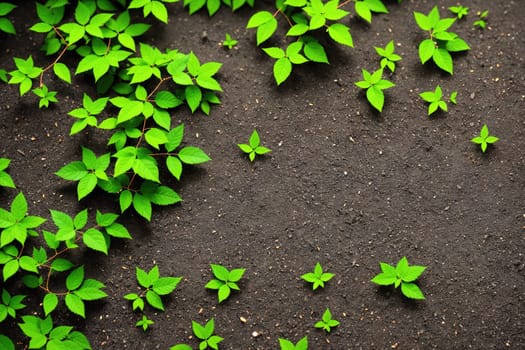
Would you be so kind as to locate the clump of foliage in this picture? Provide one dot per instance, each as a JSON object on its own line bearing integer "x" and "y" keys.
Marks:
{"x": 317, "y": 277}
{"x": 326, "y": 322}
{"x": 253, "y": 147}
{"x": 374, "y": 84}
{"x": 206, "y": 335}
{"x": 229, "y": 42}
{"x": 225, "y": 281}
{"x": 6, "y": 25}
{"x": 388, "y": 57}
{"x": 459, "y": 11}
{"x": 286, "y": 344}
{"x": 214, "y": 5}
{"x": 402, "y": 275}
{"x": 441, "y": 42}
{"x": 484, "y": 139}
{"x": 435, "y": 100}
{"x": 481, "y": 22}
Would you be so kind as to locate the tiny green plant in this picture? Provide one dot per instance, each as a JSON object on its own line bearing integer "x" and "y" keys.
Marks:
{"x": 481, "y": 22}
{"x": 318, "y": 277}
{"x": 388, "y": 57}
{"x": 327, "y": 323}
{"x": 402, "y": 274}
{"x": 145, "y": 322}
{"x": 441, "y": 42}
{"x": 253, "y": 147}
{"x": 454, "y": 97}
{"x": 286, "y": 344}
{"x": 5, "y": 179}
{"x": 374, "y": 84}
{"x": 229, "y": 42}
{"x": 459, "y": 11}
{"x": 224, "y": 281}
{"x": 205, "y": 334}
{"x": 484, "y": 139}
{"x": 435, "y": 100}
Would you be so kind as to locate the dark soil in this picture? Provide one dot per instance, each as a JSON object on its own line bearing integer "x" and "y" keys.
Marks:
{"x": 344, "y": 186}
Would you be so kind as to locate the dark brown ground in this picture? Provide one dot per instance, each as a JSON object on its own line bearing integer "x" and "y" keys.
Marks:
{"x": 344, "y": 186}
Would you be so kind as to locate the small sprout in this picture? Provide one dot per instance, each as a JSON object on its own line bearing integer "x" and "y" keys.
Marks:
{"x": 205, "y": 333}
{"x": 459, "y": 11}
{"x": 484, "y": 138}
{"x": 229, "y": 42}
{"x": 389, "y": 58}
{"x": 402, "y": 274}
{"x": 435, "y": 100}
{"x": 302, "y": 344}
{"x": 327, "y": 322}
{"x": 254, "y": 146}
{"x": 317, "y": 277}
{"x": 224, "y": 281}
{"x": 145, "y": 322}
{"x": 45, "y": 95}
{"x": 481, "y": 22}
{"x": 374, "y": 85}
{"x": 453, "y": 97}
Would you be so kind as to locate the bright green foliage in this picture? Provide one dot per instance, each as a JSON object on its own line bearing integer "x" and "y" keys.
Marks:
{"x": 327, "y": 323}
{"x": 402, "y": 274}
{"x": 435, "y": 100}
{"x": 484, "y": 138}
{"x": 181, "y": 347}
{"x": 284, "y": 60}
{"x": 10, "y": 304}
{"x": 205, "y": 334}
{"x": 145, "y": 322}
{"x": 44, "y": 334}
{"x": 155, "y": 287}
{"x": 154, "y": 7}
{"x": 318, "y": 277}
{"x": 45, "y": 95}
{"x": 6, "y": 343}
{"x": 5, "y": 24}
{"x": 453, "y": 97}
{"x": 481, "y": 22}
{"x": 265, "y": 23}
{"x": 5, "y": 179}
{"x": 364, "y": 8}
{"x": 302, "y": 344}
{"x": 87, "y": 114}
{"x": 224, "y": 281}
{"x": 23, "y": 75}
{"x": 214, "y": 5}
{"x": 80, "y": 290}
{"x": 388, "y": 57}
{"x": 374, "y": 85}
{"x": 253, "y": 147}
{"x": 441, "y": 42}
{"x": 229, "y": 42}
{"x": 125, "y": 31}
{"x": 459, "y": 11}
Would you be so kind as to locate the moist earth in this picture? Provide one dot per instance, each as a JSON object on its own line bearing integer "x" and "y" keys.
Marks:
{"x": 344, "y": 186}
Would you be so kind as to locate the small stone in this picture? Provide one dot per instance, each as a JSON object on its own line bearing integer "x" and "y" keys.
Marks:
{"x": 255, "y": 334}
{"x": 243, "y": 320}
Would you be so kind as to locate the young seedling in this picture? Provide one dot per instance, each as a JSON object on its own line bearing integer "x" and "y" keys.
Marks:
{"x": 254, "y": 146}
{"x": 389, "y": 58}
{"x": 484, "y": 138}
{"x": 453, "y": 97}
{"x": 402, "y": 274}
{"x": 318, "y": 277}
{"x": 435, "y": 100}
{"x": 459, "y": 11}
{"x": 205, "y": 333}
{"x": 481, "y": 22}
{"x": 229, "y": 42}
{"x": 302, "y": 344}
{"x": 224, "y": 281}
{"x": 374, "y": 85}
{"x": 327, "y": 323}
{"x": 145, "y": 322}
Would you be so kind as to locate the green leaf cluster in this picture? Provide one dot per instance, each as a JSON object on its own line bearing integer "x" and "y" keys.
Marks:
{"x": 10, "y": 304}
{"x": 155, "y": 7}
{"x": 6, "y": 25}
{"x": 435, "y": 100}
{"x": 144, "y": 322}
{"x": 481, "y": 21}
{"x": 253, "y": 147}
{"x": 225, "y": 281}
{"x": 229, "y": 42}
{"x": 484, "y": 139}
{"x": 374, "y": 84}
{"x": 317, "y": 277}
{"x": 326, "y": 322}
{"x": 365, "y": 8}
{"x": 460, "y": 11}
{"x": 206, "y": 335}
{"x": 286, "y": 344}
{"x": 401, "y": 275}
{"x": 441, "y": 42}
{"x": 213, "y": 6}
{"x": 388, "y": 57}
{"x": 24, "y": 74}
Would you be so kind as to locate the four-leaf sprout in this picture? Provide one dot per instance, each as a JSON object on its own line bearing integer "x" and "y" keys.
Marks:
{"x": 402, "y": 274}
{"x": 389, "y": 58}
{"x": 434, "y": 98}
{"x": 318, "y": 277}
{"x": 327, "y": 322}
{"x": 481, "y": 23}
{"x": 224, "y": 280}
{"x": 205, "y": 333}
{"x": 229, "y": 42}
{"x": 374, "y": 85}
{"x": 459, "y": 11}
{"x": 254, "y": 146}
{"x": 286, "y": 344}
{"x": 484, "y": 138}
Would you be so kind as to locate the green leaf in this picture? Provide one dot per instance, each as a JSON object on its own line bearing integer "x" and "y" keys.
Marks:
{"x": 73, "y": 171}
{"x": 61, "y": 265}
{"x": 49, "y": 303}
{"x": 155, "y": 137}
{"x": 214, "y": 284}
{"x": 281, "y": 70}
{"x": 193, "y": 155}
{"x": 223, "y": 293}
{"x": 314, "y": 51}
{"x": 7, "y": 344}
{"x": 412, "y": 291}
{"x": 220, "y": 272}
{"x": 125, "y": 200}
{"x": 165, "y": 285}
{"x": 75, "y": 278}
{"x": 166, "y": 99}
{"x": 193, "y": 96}
{"x": 259, "y": 18}
{"x": 95, "y": 240}
{"x": 363, "y": 11}
{"x": 19, "y": 207}
{"x": 154, "y": 300}
{"x": 426, "y": 50}
{"x": 174, "y": 166}
{"x": 62, "y": 71}
{"x": 376, "y": 97}
{"x": 384, "y": 279}
{"x": 86, "y": 185}
{"x": 75, "y": 305}
{"x": 90, "y": 293}
{"x": 117, "y": 230}
{"x": 142, "y": 205}
{"x": 443, "y": 60}
{"x": 340, "y": 33}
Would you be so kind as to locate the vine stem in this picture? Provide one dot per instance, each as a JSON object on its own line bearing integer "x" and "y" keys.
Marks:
{"x": 344, "y": 3}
